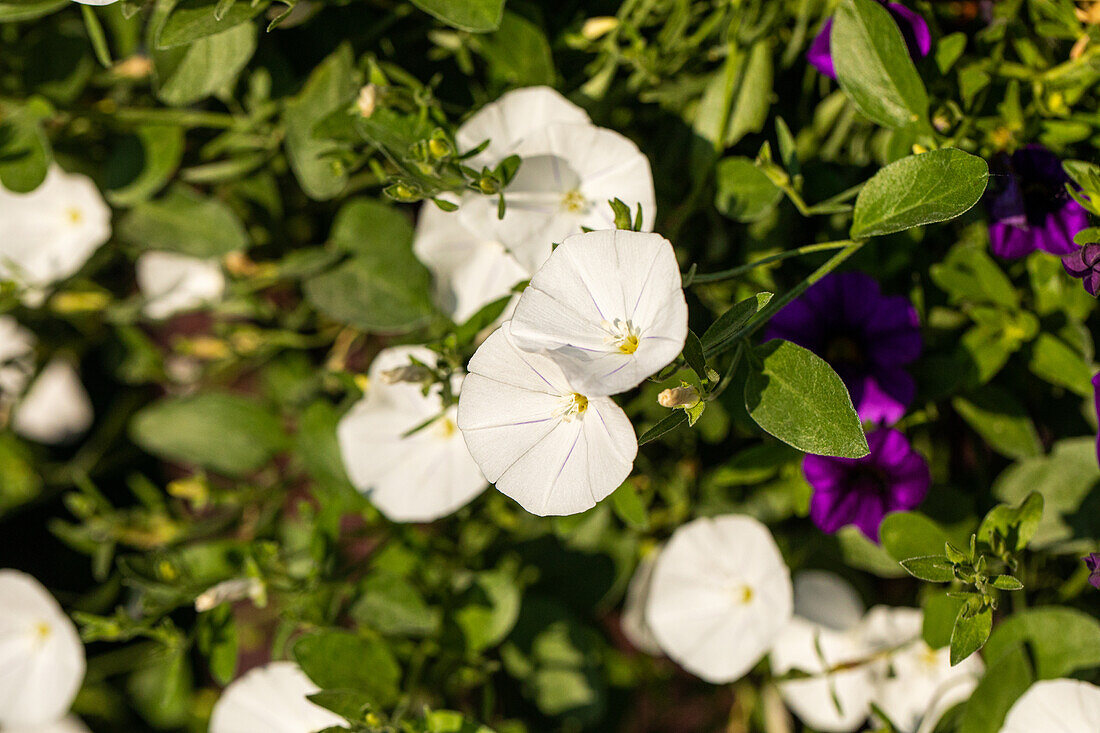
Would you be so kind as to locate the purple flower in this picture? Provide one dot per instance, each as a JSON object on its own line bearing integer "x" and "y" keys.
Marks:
{"x": 1029, "y": 207}
{"x": 913, "y": 29}
{"x": 1084, "y": 263}
{"x": 861, "y": 491}
{"x": 1092, "y": 562}
{"x": 867, "y": 337}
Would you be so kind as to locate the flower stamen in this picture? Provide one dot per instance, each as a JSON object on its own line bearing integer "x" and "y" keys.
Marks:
{"x": 623, "y": 335}
{"x": 572, "y": 407}
{"x": 574, "y": 202}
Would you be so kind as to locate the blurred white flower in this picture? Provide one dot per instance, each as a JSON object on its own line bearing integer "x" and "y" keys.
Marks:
{"x": 469, "y": 271}
{"x": 43, "y": 657}
{"x": 918, "y": 683}
{"x": 16, "y": 358}
{"x": 633, "y": 622}
{"x": 569, "y": 173}
{"x": 172, "y": 283}
{"x": 1056, "y": 706}
{"x": 409, "y": 478}
{"x": 720, "y": 596}
{"x": 96, "y": 2}
{"x": 271, "y": 699}
{"x": 48, "y": 234}
{"x": 512, "y": 118}
{"x": 552, "y": 448}
{"x": 608, "y": 307}
{"x": 56, "y": 408}
{"x": 822, "y": 635}
{"x": 65, "y": 725}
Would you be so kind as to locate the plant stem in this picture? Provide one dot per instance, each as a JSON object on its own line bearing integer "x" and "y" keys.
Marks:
{"x": 735, "y": 272}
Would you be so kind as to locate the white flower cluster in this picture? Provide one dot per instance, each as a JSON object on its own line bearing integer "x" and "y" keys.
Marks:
{"x": 272, "y": 699}
{"x": 43, "y": 659}
{"x": 604, "y": 311}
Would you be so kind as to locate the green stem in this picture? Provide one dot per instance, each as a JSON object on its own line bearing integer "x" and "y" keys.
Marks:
{"x": 714, "y": 277}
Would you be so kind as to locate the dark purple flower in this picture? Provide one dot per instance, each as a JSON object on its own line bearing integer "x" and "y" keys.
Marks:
{"x": 913, "y": 29}
{"x": 1029, "y": 207}
{"x": 867, "y": 337}
{"x": 1092, "y": 562}
{"x": 1084, "y": 263}
{"x": 861, "y": 491}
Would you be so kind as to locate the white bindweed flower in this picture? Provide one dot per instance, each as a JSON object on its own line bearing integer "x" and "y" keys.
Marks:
{"x": 824, "y": 635}
{"x": 720, "y": 596}
{"x": 569, "y": 173}
{"x": 917, "y": 684}
{"x": 608, "y": 307}
{"x": 48, "y": 234}
{"x": 43, "y": 659}
{"x": 96, "y": 2}
{"x": 509, "y": 120}
{"x": 56, "y": 408}
{"x": 469, "y": 271}
{"x": 172, "y": 283}
{"x": 16, "y": 358}
{"x": 409, "y": 478}
{"x": 544, "y": 443}
{"x": 271, "y": 699}
{"x": 1056, "y": 706}
{"x": 65, "y": 725}
{"x": 633, "y": 623}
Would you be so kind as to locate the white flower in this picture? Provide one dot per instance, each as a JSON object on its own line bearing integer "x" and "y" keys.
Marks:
{"x": 632, "y": 622}
{"x": 96, "y": 2}
{"x": 569, "y": 173}
{"x": 410, "y": 478}
{"x": 720, "y": 596}
{"x": 65, "y": 725}
{"x": 1056, "y": 706}
{"x": 608, "y": 306}
{"x": 16, "y": 358}
{"x": 271, "y": 699}
{"x": 43, "y": 659}
{"x": 469, "y": 271}
{"x": 172, "y": 282}
{"x": 544, "y": 443}
{"x": 918, "y": 684}
{"x": 48, "y": 234}
{"x": 822, "y": 635}
{"x": 56, "y": 408}
{"x": 512, "y": 118}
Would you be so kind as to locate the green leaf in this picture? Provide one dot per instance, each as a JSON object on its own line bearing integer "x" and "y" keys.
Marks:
{"x": 860, "y": 552}
{"x": 666, "y": 424}
{"x": 749, "y": 110}
{"x": 184, "y": 221}
{"x": 25, "y": 153}
{"x": 730, "y": 324}
{"x": 1008, "y": 676}
{"x": 160, "y": 690}
{"x": 205, "y": 67}
{"x": 932, "y": 568}
{"x": 315, "y": 161}
{"x": 629, "y": 507}
{"x": 796, "y": 396}
{"x": 873, "y": 65}
{"x": 911, "y": 534}
{"x": 19, "y": 479}
{"x": 693, "y": 355}
{"x": 918, "y": 190}
{"x": 337, "y": 659}
{"x": 518, "y": 54}
{"x": 1001, "y": 420}
{"x": 226, "y": 433}
{"x": 348, "y": 704}
{"x": 218, "y": 640}
{"x": 476, "y": 16}
{"x": 1016, "y": 525}
{"x": 11, "y": 12}
{"x": 143, "y": 164}
{"x": 970, "y": 633}
{"x": 1053, "y": 360}
{"x": 190, "y": 20}
{"x": 969, "y": 275}
{"x": 1007, "y": 582}
{"x": 1062, "y": 640}
{"x": 489, "y": 609}
{"x": 940, "y": 612}
{"x": 382, "y": 287}
{"x": 744, "y": 192}
{"x": 393, "y": 606}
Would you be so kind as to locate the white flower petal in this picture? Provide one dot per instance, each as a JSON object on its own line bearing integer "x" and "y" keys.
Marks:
{"x": 65, "y": 725}
{"x": 826, "y": 599}
{"x": 172, "y": 283}
{"x": 1056, "y": 706}
{"x": 596, "y": 289}
{"x": 48, "y": 234}
{"x": 720, "y": 597}
{"x": 41, "y": 656}
{"x": 632, "y": 622}
{"x": 56, "y": 408}
{"x": 511, "y": 118}
{"x": 469, "y": 271}
{"x": 512, "y": 414}
{"x": 271, "y": 699}
{"x": 16, "y": 358}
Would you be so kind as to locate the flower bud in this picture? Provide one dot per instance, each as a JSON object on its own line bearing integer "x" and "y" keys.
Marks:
{"x": 368, "y": 98}
{"x": 413, "y": 373}
{"x": 683, "y": 396}
{"x": 596, "y": 27}
{"x": 229, "y": 591}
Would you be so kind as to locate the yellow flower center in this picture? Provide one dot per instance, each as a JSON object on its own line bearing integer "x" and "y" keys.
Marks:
{"x": 42, "y": 631}
{"x": 572, "y": 407}
{"x": 745, "y": 594}
{"x": 445, "y": 427}
{"x": 74, "y": 215}
{"x": 573, "y": 201}
{"x": 623, "y": 335}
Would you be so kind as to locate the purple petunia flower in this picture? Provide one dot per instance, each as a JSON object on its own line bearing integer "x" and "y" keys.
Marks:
{"x": 861, "y": 491}
{"x": 1029, "y": 207}
{"x": 1092, "y": 562}
{"x": 867, "y": 337}
{"x": 1084, "y": 264}
{"x": 913, "y": 29}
